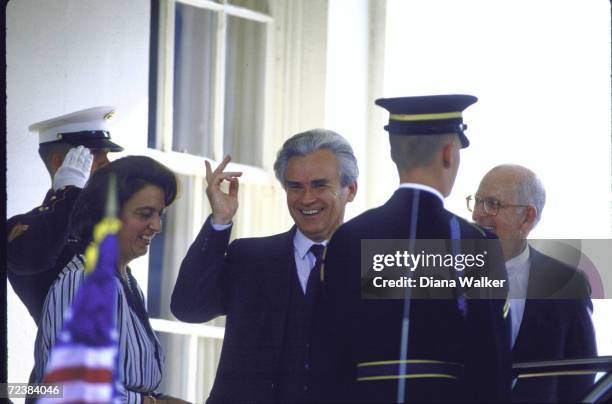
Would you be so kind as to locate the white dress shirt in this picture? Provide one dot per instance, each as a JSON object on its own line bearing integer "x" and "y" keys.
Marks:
{"x": 304, "y": 259}
{"x": 517, "y": 269}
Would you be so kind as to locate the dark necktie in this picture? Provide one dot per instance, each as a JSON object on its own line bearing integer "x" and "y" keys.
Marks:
{"x": 313, "y": 278}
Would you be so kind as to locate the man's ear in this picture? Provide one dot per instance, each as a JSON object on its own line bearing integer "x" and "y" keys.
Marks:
{"x": 352, "y": 188}
{"x": 57, "y": 158}
{"x": 447, "y": 155}
{"x": 531, "y": 213}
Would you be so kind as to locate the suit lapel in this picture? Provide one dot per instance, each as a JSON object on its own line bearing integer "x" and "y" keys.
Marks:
{"x": 281, "y": 263}
{"x": 536, "y": 274}
{"x": 531, "y": 312}
{"x": 278, "y": 277}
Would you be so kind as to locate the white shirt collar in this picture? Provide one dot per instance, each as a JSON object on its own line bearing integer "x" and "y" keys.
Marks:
{"x": 302, "y": 244}
{"x": 520, "y": 260}
{"x": 423, "y": 187}
{"x": 517, "y": 269}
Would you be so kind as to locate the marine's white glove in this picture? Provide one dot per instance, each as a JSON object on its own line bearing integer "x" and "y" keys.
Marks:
{"x": 75, "y": 168}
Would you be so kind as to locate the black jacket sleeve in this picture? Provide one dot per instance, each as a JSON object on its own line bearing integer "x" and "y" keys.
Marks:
{"x": 36, "y": 239}
{"x": 200, "y": 291}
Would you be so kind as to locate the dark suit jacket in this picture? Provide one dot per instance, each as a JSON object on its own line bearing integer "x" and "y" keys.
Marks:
{"x": 249, "y": 282}
{"x": 556, "y": 325}
{"x": 349, "y": 330}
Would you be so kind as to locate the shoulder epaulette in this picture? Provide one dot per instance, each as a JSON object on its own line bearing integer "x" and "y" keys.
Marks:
{"x": 17, "y": 231}
{"x": 60, "y": 195}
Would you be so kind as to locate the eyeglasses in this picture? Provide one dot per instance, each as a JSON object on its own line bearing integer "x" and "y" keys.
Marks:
{"x": 491, "y": 206}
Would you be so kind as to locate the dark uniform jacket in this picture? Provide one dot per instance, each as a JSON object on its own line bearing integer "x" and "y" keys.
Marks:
{"x": 249, "y": 282}
{"x": 37, "y": 248}
{"x": 351, "y": 331}
{"x": 556, "y": 325}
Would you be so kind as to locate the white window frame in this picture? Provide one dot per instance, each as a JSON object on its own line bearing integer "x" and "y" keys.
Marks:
{"x": 193, "y": 332}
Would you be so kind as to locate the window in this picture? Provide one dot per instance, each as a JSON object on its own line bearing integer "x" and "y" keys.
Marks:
{"x": 194, "y": 74}
{"x": 212, "y": 79}
{"x": 244, "y": 90}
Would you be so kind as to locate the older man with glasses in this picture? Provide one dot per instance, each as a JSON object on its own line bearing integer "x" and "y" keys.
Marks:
{"x": 550, "y": 301}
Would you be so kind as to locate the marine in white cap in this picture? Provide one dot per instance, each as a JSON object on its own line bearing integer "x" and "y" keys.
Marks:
{"x": 72, "y": 146}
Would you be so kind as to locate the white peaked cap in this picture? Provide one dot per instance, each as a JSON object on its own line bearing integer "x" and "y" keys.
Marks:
{"x": 88, "y": 127}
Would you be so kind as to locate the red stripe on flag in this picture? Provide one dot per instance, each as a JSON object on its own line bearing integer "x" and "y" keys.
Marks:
{"x": 80, "y": 373}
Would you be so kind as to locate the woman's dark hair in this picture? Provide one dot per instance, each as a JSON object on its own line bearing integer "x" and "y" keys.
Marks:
{"x": 132, "y": 173}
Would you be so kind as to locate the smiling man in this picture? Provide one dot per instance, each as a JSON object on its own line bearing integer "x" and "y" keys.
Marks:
{"x": 267, "y": 286}
{"x": 315, "y": 195}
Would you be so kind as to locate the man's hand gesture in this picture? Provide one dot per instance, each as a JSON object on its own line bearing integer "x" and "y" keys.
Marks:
{"x": 224, "y": 205}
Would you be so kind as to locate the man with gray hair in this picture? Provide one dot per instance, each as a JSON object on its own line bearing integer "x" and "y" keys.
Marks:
{"x": 267, "y": 286}
{"x": 550, "y": 301}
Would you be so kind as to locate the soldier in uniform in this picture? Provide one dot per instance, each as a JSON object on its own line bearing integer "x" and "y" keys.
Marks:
{"x": 71, "y": 147}
{"x": 412, "y": 349}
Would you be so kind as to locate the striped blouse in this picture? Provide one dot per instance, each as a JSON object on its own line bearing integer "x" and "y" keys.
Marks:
{"x": 141, "y": 356}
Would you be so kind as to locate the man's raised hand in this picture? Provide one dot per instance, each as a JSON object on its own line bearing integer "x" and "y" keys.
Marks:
{"x": 224, "y": 205}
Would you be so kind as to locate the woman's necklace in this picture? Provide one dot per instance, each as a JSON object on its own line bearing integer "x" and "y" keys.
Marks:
{"x": 126, "y": 279}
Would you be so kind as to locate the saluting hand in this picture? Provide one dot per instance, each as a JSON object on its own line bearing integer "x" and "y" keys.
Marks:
{"x": 224, "y": 205}
{"x": 75, "y": 168}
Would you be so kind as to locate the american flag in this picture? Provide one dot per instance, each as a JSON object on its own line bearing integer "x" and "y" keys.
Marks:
{"x": 84, "y": 358}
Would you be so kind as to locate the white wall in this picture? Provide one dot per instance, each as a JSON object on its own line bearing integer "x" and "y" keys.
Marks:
{"x": 65, "y": 55}
{"x": 541, "y": 70}
{"x": 346, "y": 91}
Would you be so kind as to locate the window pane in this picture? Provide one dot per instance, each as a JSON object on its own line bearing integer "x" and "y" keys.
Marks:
{"x": 255, "y": 5}
{"x": 244, "y": 90}
{"x": 181, "y": 224}
{"x": 194, "y": 49}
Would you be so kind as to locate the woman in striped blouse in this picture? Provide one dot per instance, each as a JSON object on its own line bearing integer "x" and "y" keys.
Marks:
{"x": 145, "y": 188}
